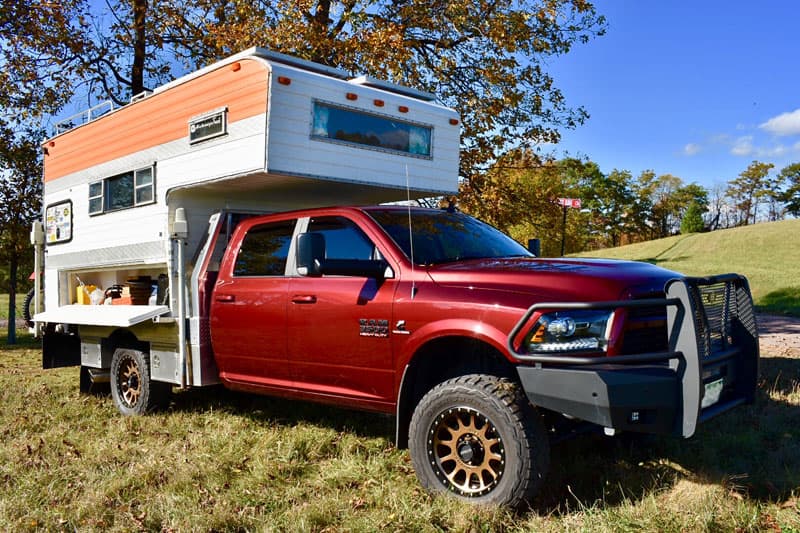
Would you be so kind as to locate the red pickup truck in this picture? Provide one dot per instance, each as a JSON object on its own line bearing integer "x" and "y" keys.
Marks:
{"x": 480, "y": 350}
{"x": 474, "y": 344}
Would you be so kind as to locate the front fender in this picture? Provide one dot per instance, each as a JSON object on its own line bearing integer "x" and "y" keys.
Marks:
{"x": 464, "y": 328}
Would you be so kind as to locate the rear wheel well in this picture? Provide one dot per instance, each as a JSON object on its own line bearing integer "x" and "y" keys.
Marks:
{"x": 122, "y": 338}
{"x": 442, "y": 359}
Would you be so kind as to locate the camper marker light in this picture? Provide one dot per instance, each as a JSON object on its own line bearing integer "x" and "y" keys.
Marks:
{"x": 569, "y": 331}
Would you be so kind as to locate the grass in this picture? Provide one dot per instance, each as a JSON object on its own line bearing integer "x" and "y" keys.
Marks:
{"x": 768, "y": 254}
{"x": 4, "y": 305}
{"x": 223, "y": 461}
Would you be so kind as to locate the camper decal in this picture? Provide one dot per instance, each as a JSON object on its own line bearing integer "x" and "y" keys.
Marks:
{"x": 58, "y": 222}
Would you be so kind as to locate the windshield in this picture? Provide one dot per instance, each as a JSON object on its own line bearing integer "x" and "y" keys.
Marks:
{"x": 443, "y": 237}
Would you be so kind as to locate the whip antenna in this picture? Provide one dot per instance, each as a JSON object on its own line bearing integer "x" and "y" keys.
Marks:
{"x": 410, "y": 236}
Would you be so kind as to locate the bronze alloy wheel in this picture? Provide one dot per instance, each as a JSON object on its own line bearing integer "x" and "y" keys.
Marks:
{"x": 130, "y": 382}
{"x": 465, "y": 451}
{"x": 132, "y": 387}
{"x": 477, "y": 437}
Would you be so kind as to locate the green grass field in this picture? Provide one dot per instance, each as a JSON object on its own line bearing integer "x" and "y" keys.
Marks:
{"x": 768, "y": 254}
{"x": 4, "y": 305}
{"x": 223, "y": 461}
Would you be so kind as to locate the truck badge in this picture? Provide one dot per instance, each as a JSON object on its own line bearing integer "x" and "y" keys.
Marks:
{"x": 371, "y": 327}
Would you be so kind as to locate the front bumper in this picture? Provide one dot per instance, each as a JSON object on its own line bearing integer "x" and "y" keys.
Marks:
{"x": 711, "y": 365}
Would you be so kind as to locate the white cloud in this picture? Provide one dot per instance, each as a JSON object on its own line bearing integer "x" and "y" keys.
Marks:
{"x": 773, "y": 151}
{"x": 692, "y": 149}
{"x": 784, "y": 124}
{"x": 743, "y": 146}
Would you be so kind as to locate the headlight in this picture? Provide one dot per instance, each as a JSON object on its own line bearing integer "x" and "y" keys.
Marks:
{"x": 569, "y": 331}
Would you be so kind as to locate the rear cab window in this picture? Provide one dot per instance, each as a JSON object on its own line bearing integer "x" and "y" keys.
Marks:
{"x": 265, "y": 249}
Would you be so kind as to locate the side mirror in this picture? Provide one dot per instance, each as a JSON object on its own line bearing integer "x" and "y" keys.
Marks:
{"x": 310, "y": 254}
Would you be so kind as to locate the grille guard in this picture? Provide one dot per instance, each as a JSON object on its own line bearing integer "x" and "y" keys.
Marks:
{"x": 710, "y": 323}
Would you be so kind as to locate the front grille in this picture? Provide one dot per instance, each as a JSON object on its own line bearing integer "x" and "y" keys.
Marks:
{"x": 716, "y": 306}
{"x": 645, "y": 330}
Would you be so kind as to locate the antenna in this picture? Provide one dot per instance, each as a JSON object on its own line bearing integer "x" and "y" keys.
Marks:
{"x": 410, "y": 236}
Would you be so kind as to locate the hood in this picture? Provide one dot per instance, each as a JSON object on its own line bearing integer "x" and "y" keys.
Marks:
{"x": 557, "y": 279}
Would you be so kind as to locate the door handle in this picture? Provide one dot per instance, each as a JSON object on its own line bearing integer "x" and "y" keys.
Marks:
{"x": 304, "y": 299}
{"x": 225, "y": 298}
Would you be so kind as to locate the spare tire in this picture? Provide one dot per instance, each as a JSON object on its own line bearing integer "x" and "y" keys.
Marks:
{"x": 26, "y": 308}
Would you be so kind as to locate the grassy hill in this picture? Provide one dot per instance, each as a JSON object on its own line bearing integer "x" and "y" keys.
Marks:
{"x": 768, "y": 254}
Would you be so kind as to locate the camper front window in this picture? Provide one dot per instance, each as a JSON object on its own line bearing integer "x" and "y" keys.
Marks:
{"x": 354, "y": 127}
{"x": 122, "y": 191}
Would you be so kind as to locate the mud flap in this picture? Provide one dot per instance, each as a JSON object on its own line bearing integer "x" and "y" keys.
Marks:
{"x": 60, "y": 349}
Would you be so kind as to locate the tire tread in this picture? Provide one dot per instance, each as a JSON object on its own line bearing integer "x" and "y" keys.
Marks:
{"x": 516, "y": 411}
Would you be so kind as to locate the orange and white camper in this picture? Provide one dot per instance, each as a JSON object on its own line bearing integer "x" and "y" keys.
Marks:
{"x": 131, "y": 195}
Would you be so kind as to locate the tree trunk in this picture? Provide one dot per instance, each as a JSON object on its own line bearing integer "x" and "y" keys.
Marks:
{"x": 12, "y": 300}
{"x": 139, "y": 46}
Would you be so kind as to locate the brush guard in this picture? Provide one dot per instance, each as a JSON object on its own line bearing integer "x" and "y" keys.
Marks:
{"x": 711, "y": 365}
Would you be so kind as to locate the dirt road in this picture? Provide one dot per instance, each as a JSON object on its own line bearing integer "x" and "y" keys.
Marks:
{"x": 779, "y": 335}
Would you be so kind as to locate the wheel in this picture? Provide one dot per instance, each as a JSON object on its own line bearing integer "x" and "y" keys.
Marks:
{"x": 26, "y": 308}
{"x": 478, "y": 438}
{"x": 133, "y": 391}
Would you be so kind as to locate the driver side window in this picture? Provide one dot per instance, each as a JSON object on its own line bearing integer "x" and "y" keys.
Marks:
{"x": 343, "y": 239}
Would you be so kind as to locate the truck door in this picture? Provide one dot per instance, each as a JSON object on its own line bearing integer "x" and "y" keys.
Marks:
{"x": 339, "y": 340}
{"x": 248, "y": 308}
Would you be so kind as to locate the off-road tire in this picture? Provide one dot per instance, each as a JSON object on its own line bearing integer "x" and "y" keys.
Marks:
{"x": 132, "y": 389}
{"x": 478, "y": 438}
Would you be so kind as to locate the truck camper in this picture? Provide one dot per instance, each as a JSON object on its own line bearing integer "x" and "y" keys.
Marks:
{"x": 196, "y": 236}
{"x": 135, "y": 198}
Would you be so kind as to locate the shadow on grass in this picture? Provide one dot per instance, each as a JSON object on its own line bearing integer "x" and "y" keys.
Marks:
{"x": 272, "y": 410}
{"x": 25, "y": 341}
{"x": 782, "y": 301}
{"x": 657, "y": 261}
{"x": 753, "y": 450}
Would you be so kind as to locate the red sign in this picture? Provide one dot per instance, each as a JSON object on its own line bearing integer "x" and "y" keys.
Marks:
{"x": 574, "y": 203}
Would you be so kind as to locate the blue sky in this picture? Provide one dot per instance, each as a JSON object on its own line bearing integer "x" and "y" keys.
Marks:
{"x": 694, "y": 89}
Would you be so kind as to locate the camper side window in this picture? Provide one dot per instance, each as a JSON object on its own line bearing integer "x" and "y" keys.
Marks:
{"x": 122, "y": 191}
{"x": 96, "y": 198}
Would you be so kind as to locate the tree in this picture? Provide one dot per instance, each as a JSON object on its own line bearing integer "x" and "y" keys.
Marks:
{"x": 126, "y": 55}
{"x": 610, "y": 199}
{"x": 486, "y": 59}
{"x": 791, "y": 196}
{"x": 41, "y": 45}
{"x": 40, "y": 57}
{"x": 661, "y": 202}
{"x": 748, "y": 189}
{"x": 20, "y": 204}
{"x": 692, "y": 221}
